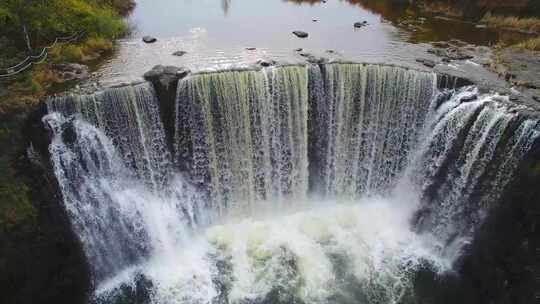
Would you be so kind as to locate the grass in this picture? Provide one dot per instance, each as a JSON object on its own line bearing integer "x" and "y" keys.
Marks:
{"x": 531, "y": 24}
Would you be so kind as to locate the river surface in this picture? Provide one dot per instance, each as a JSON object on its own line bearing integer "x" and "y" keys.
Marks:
{"x": 222, "y": 34}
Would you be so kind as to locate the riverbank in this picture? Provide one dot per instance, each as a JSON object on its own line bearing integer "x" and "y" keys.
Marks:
{"x": 40, "y": 260}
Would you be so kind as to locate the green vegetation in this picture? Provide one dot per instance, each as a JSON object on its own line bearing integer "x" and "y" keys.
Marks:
{"x": 26, "y": 27}
{"x": 530, "y": 24}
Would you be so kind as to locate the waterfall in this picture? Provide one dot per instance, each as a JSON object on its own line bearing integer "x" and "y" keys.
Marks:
{"x": 319, "y": 183}
{"x": 247, "y": 131}
{"x": 129, "y": 116}
{"x": 468, "y": 157}
{"x": 109, "y": 156}
{"x": 366, "y": 121}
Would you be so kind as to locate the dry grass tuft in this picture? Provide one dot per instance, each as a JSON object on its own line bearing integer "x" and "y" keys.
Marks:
{"x": 532, "y": 44}
{"x": 523, "y": 24}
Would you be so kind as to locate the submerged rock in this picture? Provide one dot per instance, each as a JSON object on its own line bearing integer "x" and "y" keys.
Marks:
{"x": 300, "y": 34}
{"x": 360, "y": 24}
{"x": 179, "y": 53}
{"x": 149, "y": 39}
{"x": 426, "y": 62}
{"x": 251, "y": 48}
{"x": 298, "y": 49}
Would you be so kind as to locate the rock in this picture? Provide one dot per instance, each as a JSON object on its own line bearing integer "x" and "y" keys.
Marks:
{"x": 469, "y": 98}
{"x": 441, "y": 44}
{"x": 360, "y": 24}
{"x": 451, "y": 53}
{"x": 251, "y": 48}
{"x": 330, "y": 51}
{"x": 166, "y": 75}
{"x": 316, "y": 60}
{"x": 266, "y": 63}
{"x": 426, "y": 62}
{"x": 457, "y": 42}
{"x": 298, "y": 49}
{"x": 300, "y": 34}
{"x": 305, "y": 54}
{"x": 179, "y": 53}
{"x": 536, "y": 98}
{"x": 72, "y": 71}
{"x": 69, "y": 135}
{"x": 513, "y": 97}
{"x": 149, "y": 39}
{"x": 314, "y": 20}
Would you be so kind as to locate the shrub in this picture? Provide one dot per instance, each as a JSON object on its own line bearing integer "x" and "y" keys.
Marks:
{"x": 98, "y": 44}
{"x": 72, "y": 53}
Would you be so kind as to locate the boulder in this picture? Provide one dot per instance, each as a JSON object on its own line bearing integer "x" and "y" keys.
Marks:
{"x": 298, "y": 49}
{"x": 300, "y": 34}
{"x": 149, "y": 39}
{"x": 251, "y": 48}
{"x": 166, "y": 75}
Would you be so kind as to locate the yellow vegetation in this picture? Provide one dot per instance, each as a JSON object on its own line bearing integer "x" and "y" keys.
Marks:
{"x": 524, "y": 24}
{"x": 532, "y": 44}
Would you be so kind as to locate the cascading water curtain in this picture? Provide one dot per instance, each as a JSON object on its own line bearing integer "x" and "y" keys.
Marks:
{"x": 365, "y": 123}
{"x": 109, "y": 155}
{"x": 247, "y": 135}
{"x": 129, "y": 116}
{"x": 468, "y": 157}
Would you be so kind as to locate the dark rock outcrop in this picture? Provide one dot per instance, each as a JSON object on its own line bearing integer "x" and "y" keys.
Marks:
{"x": 165, "y": 80}
{"x": 502, "y": 263}
{"x": 44, "y": 262}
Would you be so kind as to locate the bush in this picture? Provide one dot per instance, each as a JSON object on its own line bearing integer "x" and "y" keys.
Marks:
{"x": 72, "y": 53}
{"x": 98, "y": 44}
{"x": 105, "y": 23}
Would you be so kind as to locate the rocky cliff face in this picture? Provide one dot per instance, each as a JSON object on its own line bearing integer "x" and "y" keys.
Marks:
{"x": 503, "y": 262}
{"x": 43, "y": 261}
